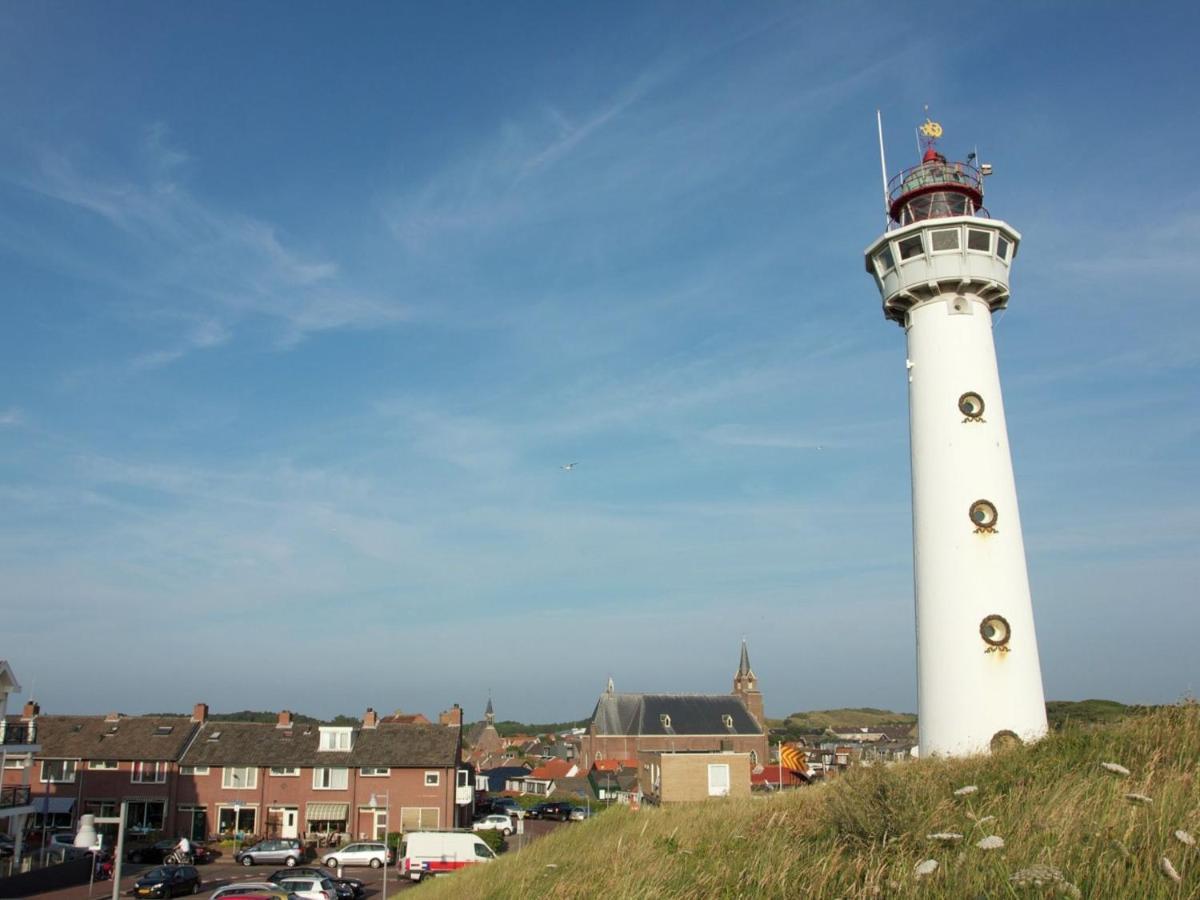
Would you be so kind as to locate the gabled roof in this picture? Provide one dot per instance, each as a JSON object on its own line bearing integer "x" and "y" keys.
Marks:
{"x": 555, "y": 768}
{"x": 137, "y": 738}
{"x": 642, "y": 714}
{"x": 614, "y": 765}
{"x": 258, "y": 744}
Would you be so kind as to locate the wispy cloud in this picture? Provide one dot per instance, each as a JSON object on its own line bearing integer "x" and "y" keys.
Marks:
{"x": 181, "y": 256}
{"x": 11, "y": 417}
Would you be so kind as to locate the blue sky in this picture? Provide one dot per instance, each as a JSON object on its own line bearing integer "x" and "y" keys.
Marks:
{"x": 302, "y": 309}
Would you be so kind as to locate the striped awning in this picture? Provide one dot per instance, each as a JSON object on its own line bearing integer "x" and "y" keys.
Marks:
{"x": 328, "y": 812}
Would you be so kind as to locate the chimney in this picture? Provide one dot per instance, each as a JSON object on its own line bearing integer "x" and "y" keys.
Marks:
{"x": 200, "y": 713}
{"x": 451, "y": 717}
{"x": 31, "y": 710}
{"x": 113, "y": 717}
{"x": 370, "y": 719}
{"x": 285, "y": 719}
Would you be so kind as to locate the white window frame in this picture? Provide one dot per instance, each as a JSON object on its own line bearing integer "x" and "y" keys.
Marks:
{"x": 284, "y": 771}
{"x": 18, "y": 761}
{"x": 103, "y": 765}
{"x": 433, "y": 779}
{"x": 991, "y": 247}
{"x": 140, "y": 769}
{"x": 64, "y": 764}
{"x": 322, "y": 774}
{"x": 715, "y": 788}
{"x": 955, "y": 249}
{"x": 341, "y": 739}
{"x": 248, "y": 781}
{"x": 374, "y": 771}
{"x": 193, "y": 770}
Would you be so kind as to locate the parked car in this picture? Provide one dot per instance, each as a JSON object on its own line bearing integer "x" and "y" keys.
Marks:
{"x": 579, "y": 813}
{"x": 288, "y": 851}
{"x": 156, "y": 853}
{"x": 167, "y": 881}
{"x": 508, "y": 805}
{"x": 427, "y": 853}
{"x": 368, "y": 853}
{"x": 348, "y": 888}
{"x": 551, "y": 810}
{"x": 248, "y": 888}
{"x": 494, "y": 822}
{"x": 308, "y": 887}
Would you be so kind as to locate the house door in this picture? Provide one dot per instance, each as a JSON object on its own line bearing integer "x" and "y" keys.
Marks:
{"x": 288, "y": 826}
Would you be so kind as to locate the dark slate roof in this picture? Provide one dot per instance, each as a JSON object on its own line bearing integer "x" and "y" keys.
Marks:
{"x": 498, "y": 776}
{"x": 258, "y": 744}
{"x": 635, "y": 714}
{"x": 129, "y": 737}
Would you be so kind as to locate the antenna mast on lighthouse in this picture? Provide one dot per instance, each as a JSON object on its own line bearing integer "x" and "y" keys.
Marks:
{"x": 942, "y": 267}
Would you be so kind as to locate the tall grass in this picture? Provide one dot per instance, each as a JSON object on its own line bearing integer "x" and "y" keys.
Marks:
{"x": 1067, "y": 827}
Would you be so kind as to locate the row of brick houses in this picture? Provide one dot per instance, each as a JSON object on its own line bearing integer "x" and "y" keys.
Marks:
{"x": 204, "y": 778}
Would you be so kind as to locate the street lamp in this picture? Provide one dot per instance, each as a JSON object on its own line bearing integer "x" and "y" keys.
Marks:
{"x": 387, "y": 818}
{"x": 88, "y": 838}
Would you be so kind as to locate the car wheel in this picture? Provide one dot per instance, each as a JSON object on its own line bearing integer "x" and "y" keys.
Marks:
{"x": 195, "y": 887}
{"x": 376, "y": 864}
{"x": 247, "y": 861}
{"x": 507, "y": 832}
{"x": 332, "y": 862}
{"x": 290, "y": 861}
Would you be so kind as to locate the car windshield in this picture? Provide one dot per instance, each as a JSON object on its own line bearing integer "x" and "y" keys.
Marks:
{"x": 159, "y": 874}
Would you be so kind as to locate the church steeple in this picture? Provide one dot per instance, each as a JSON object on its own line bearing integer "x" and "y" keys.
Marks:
{"x": 745, "y": 686}
{"x": 489, "y": 714}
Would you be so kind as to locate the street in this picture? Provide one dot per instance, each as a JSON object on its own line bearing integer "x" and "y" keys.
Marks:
{"x": 225, "y": 871}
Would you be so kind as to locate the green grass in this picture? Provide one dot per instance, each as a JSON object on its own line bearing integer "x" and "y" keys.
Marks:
{"x": 861, "y": 836}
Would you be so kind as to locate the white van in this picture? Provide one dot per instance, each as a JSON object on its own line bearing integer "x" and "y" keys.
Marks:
{"x": 424, "y": 853}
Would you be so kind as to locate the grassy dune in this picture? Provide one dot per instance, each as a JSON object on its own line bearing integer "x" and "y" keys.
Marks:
{"x": 1053, "y": 804}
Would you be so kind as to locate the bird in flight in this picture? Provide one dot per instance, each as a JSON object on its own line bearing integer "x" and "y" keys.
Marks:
{"x": 568, "y": 466}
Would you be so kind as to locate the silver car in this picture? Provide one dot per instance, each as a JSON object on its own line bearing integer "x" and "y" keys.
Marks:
{"x": 288, "y": 851}
{"x": 364, "y": 853}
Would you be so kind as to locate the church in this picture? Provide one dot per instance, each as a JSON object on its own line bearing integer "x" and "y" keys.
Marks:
{"x": 642, "y": 727}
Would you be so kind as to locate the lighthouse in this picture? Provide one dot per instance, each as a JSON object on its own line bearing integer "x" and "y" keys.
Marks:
{"x": 942, "y": 267}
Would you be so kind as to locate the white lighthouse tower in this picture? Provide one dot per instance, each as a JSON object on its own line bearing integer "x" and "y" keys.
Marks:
{"x": 942, "y": 268}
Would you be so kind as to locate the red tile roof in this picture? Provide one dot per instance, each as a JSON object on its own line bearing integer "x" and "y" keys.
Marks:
{"x": 555, "y": 768}
{"x": 771, "y": 775}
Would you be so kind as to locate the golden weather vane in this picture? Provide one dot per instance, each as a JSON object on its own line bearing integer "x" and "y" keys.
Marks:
{"x": 931, "y": 129}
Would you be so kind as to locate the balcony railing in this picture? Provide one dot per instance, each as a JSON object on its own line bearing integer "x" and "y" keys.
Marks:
{"x": 17, "y": 734}
{"x": 936, "y": 174}
{"x": 14, "y": 795}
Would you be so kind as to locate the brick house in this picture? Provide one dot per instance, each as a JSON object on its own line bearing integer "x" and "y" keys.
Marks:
{"x": 646, "y": 726}
{"x": 305, "y": 780}
{"x": 200, "y": 777}
{"x": 89, "y": 764}
{"x": 688, "y": 777}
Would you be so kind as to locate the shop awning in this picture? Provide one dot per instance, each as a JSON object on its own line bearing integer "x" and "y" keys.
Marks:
{"x": 53, "y": 804}
{"x": 328, "y": 812}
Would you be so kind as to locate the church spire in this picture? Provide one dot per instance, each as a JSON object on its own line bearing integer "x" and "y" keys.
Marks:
{"x": 489, "y": 714}
{"x": 744, "y": 666}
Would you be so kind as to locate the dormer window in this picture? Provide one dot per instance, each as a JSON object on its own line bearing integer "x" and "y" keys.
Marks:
{"x": 727, "y": 720}
{"x": 163, "y": 730}
{"x": 336, "y": 738}
{"x": 664, "y": 720}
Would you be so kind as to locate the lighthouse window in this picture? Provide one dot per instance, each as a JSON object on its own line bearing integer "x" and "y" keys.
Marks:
{"x": 970, "y": 405}
{"x": 979, "y": 240}
{"x": 1001, "y": 247}
{"x": 983, "y": 514}
{"x": 995, "y": 630}
{"x": 911, "y": 246}
{"x": 884, "y": 260}
{"x": 945, "y": 240}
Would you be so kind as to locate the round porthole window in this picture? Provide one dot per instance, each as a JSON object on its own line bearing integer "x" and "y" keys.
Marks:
{"x": 970, "y": 405}
{"x": 983, "y": 515}
{"x": 995, "y": 630}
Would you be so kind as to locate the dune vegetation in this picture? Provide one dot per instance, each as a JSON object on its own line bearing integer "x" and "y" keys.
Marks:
{"x": 1092, "y": 811}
